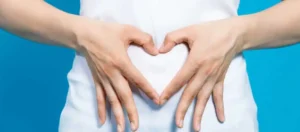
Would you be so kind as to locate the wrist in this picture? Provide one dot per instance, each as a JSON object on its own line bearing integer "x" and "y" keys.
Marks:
{"x": 247, "y": 24}
{"x": 59, "y": 28}
{"x": 74, "y": 27}
{"x": 83, "y": 29}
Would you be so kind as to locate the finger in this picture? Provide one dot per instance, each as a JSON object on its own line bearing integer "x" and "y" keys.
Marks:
{"x": 131, "y": 73}
{"x": 173, "y": 38}
{"x": 99, "y": 93}
{"x": 188, "y": 96}
{"x": 116, "y": 107}
{"x": 202, "y": 99}
{"x": 143, "y": 39}
{"x": 218, "y": 97}
{"x": 113, "y": 100}
{"x": 218, "y": 101}
{"x": 125, "y": 96}
{"x": 181, "y": 78}
{"x": 101, "y": 105}
{"x": 111, "y": 95}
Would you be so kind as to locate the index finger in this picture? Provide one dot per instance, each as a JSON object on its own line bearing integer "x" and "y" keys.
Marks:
{"x": 142, "y": 39}
{"x": 181, "y": 78}
{"x": 131, "y": 73}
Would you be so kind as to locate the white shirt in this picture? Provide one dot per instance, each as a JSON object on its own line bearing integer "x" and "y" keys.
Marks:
{"x": 158, "y": 17}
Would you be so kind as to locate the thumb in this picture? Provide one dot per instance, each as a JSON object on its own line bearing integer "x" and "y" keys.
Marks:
{"x": 143, "y": 39}
{"x": 172, "y": 39}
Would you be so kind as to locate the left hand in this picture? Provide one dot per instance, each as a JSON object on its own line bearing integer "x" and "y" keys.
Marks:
{"x": 212, "y": 47}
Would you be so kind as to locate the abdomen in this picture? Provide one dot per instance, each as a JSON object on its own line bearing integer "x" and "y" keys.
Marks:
{"x": 80, "y": 114}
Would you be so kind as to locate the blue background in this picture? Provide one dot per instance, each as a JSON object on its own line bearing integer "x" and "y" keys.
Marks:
{"x": 33, "y": 83}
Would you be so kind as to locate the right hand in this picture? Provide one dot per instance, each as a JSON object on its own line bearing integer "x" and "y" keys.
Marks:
{"x": 105, "y": 47}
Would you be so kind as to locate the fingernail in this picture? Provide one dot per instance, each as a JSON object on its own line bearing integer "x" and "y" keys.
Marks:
{"x": 198, "y": 128}
{"x": 163, "y": 102}
{"x": 101, "y": 122}
{"x": 222, "y": 120}
{"x": 156, "y": 101}
{"x": 132, "y": 126}
{"x": 156, "y": 52}
{"x": 181, "y": 123}
{"x": 161, "y": 48}
{"x": 119, "y": 128}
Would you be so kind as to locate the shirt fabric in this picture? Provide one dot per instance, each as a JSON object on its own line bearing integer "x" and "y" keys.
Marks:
{"x": 158, "y": 17}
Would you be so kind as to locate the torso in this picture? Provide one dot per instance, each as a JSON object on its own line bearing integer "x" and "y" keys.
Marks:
{"x": 158, "y": 17}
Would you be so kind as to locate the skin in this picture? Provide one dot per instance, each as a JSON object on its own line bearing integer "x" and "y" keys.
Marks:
{"x": 212, "y": 47}
{"x": 103, "y": 44}
{"x": 112, "y": 69}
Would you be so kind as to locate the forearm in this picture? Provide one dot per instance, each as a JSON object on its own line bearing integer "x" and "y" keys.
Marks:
{"x": 38, "y": 21}
{"x": 275, "y": 27}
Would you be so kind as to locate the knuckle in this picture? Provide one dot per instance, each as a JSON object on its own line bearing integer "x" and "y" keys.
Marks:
{"x": 169, "y": 37}
{"x": 181, "y": 83}
{"x": 218, "y": 96}
{"x": 196, "y": 62}
{"x": 108, "y": 60}
{"x": 208, "y": 71}
{"x": 100, "y": 101}
{"x": 200, "y": 97}
{"x": 131, "y": 111}
{"x": 147, "y": 39}
{"x": 179, "y": 112}
{"x": 221, "y": 79}
{"x": 167, "y": 95}
{"x": 211, "y": 71}
{"x": 197, "y": 114}
{"x": 139, "y": 83}
{"x": 114, "y": 101}
{"x": 122, "y": 30}
{"x": 118, "y": 61}
{"x": 188, "y": 97}
{"x": 108, "y": 70}
{"x": 125, "y": 28}
{"x": 149, "y": 93}
{"x": 118, "y": 117}
{"x": 125, "y": 98}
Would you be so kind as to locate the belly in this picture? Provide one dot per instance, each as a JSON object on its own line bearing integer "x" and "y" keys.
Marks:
{"x": 160, "y": 69}
{"x": 80, "y": 112}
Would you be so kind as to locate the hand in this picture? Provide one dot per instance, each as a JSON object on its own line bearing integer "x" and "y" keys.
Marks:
{"x": 105, "y": 48}
{"x": 212, "y": 47}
